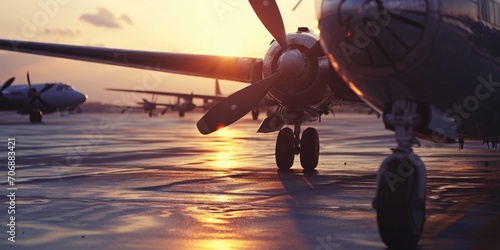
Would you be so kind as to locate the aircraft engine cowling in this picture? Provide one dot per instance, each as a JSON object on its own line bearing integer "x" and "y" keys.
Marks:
{"x": 188, "y": 106}
{"x": 308, "y": 88}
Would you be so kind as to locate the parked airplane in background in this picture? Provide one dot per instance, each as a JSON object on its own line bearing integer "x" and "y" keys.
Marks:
{"x": 186, "y": 105}
{"x": 39, "y": 99}
{"x": 431, "y": 66}
{"x": 149, "y": 107}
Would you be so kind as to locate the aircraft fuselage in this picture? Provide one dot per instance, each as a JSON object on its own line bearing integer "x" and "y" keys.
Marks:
{"x": 442, "y": 52}
{"x": 58, "y": 96}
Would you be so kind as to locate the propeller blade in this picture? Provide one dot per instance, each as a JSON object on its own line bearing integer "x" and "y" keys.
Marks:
{"x": 270, "y": 15}
{"x": 315, "y": 51}
{"x": 7, "y": 83}
{"x": 236, "y": 105}
{"x": 164, "y": 111}
{"x": 43, "y": 102}
{"x": 32, "y": 101}
{"x": 28, "y": 77}
{"x": 47, "y": 87}
{"x": 4, "y": 87}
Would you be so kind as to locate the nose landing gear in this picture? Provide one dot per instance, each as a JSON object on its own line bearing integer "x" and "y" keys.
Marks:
{"x": 36, "y": 116}
{"x": 289, "y": 144}
{"x": 401, "y": 181}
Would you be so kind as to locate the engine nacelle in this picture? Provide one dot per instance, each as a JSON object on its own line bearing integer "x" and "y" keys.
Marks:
{"x": 307, "y": 89}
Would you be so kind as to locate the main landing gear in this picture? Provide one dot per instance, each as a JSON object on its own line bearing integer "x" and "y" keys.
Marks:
{"x": 289, "y": 144}
{"x": 401, "y": 181}
{"x": 255, "y": 114}
{"x": 36, "y": 116}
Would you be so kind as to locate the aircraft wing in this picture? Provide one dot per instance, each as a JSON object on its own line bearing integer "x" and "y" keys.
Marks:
{"x": 242, "y": 69}
{"x": 157, "y": 104}
{"x": 181, "y": 95}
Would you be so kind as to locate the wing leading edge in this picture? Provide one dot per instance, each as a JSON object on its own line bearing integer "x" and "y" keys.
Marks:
{"x": 171, "y": 94}
{"x": 242, "y": 69}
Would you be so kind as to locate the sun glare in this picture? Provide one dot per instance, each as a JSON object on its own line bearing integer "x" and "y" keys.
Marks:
{"x": 220, "y": 128}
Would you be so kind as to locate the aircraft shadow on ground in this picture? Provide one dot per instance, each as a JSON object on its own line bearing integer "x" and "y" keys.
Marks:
{"x": 319, "y": 216}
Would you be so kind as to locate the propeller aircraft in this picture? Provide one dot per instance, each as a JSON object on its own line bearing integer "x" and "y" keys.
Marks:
{"x": 431, "y": 67}
{"x": 38, "y": 99}
{"x": 149, "y": 107}
{"x": 186, "y": 105}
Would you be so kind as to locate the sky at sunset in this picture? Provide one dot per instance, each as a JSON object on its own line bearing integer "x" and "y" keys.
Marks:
{"x": 216, "y": 27}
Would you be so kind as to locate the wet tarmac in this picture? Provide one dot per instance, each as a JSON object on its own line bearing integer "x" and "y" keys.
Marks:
{"x": 96, "y": 181}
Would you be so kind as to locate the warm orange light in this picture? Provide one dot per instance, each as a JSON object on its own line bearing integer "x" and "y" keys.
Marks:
{"x": 220, "y": 126}
{"x": 356, "y": 90}
{"x": 226, "y": 150}
{"x": 335, "y": 66}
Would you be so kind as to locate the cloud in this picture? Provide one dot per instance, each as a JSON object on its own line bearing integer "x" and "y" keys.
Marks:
{"x": 62, "y": 32}
{"x": 104, "y": 18}
{"x": 126, "y": 19}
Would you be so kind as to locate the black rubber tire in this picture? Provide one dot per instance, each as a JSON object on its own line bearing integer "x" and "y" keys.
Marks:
{"x": 309, "y": 149}
{"x": 284, "y": 152}
{"x": 400, "y": 214}
{"x": 255, "y": 114}
{"x": 36, "y": 116}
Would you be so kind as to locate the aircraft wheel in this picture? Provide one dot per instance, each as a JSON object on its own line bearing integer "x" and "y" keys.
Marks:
{"x": 400, "y": 212}
{"x": 285, "y": 149}
{"x": 309, "y": 149}
{"x": 36, "y": 116}
{"x": 255, "y": 114}
{"x": 181, "y": 114}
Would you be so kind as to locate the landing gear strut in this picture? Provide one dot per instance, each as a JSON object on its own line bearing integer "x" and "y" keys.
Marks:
{"x": 401, "y": 181}
{"x": 255, "y": 114}
{"x": 36, "y": 116}
{"x": 289, "y": 144}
